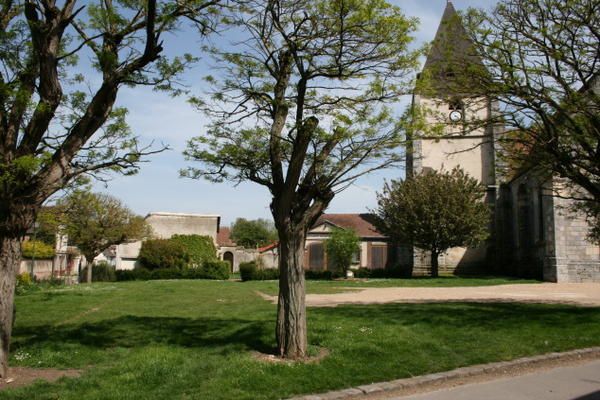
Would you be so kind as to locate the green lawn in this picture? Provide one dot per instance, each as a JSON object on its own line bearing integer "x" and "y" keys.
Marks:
{"x": 193, "y": 340}
{"x": 341, "y": 285}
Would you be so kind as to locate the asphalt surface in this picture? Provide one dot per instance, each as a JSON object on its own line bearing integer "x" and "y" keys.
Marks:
{"x": 579, "y": 382}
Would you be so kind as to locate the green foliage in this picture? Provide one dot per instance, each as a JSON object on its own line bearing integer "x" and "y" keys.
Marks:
{"x": 327, "y": 94}
{"x": 253, "y": 233}
{"x": 379, "y": 273}
{"x": 434, "y": 211}
{"x": 24, "y": 283}
{"x": 214, "y": 270}
{"x": 101, "y": 272}
{"x": 94, "y": 222}
{"x": 249, "y": 271}
{"x": 310, "y": 274}
{"x": 37, "y": 249}
{"x": 163, "y": 253}
{"x": 341, "y": 246}
{"x": 201, "y": 249}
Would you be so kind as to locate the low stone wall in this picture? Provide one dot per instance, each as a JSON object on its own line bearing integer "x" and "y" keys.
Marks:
{"x": 42, "y": 269}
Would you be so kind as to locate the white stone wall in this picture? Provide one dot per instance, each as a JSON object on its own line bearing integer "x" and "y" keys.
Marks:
{"x": 165, "y": 225}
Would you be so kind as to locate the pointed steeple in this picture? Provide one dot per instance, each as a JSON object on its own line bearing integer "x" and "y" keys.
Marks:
{"x": 452, "y": 51}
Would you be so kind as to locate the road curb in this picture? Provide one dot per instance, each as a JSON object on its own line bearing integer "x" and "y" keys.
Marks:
{"x": 418, "y": 383}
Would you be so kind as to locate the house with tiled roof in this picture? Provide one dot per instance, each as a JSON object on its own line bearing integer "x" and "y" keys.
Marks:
{"x": 374, "y": 250}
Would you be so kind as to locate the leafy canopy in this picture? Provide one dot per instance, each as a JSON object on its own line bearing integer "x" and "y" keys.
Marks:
{"x": 341, "y": 246}
{"x": 434, "y": 210}
{"x": 299, "y": 103}
{"x": 201, "y": 249}
{"x": 253, "y": 233}
{"x": 93, "y": 222}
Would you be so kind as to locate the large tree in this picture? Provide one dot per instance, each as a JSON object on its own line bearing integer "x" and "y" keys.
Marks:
{"x": 540, "y": 66}
{"x": 434, "y": 211}
{"x": 57, "y": 123}
{"x": 253, "y": 233}
{"x": 94, "y": 221}
{"x": 298, "y": 109}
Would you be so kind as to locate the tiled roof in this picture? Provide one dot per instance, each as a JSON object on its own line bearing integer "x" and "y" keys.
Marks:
{"x": 362, "y": 224}
{"x": 268, "y": 247}
{"x": 223, "y": 238}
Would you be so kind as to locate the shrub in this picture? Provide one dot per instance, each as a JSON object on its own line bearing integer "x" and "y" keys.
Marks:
{"x": 362, "y": 273}
{"x": 211, "y": 270}
{"x": 320, "y": 275}
{"x": 127, "y": 275}
{"x": 101, "y": 272}
{"x": 201, "y": 249}
{"x": 24, "y": 283}
{"x": 41, "y": 249}
{"x": 214, "y": 270}
{"x": 247, "y": 270}
{"x": 163, "y": 253}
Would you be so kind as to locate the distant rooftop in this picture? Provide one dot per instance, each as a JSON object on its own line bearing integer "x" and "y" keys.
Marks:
{"x": 362, "y": 224}
{"x": 172, "y": 214}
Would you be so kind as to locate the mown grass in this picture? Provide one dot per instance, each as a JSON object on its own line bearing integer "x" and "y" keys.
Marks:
{"x": 340, "y": 285}
{"x": 194, "y": 340}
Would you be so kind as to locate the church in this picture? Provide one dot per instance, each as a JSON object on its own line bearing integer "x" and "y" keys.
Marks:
{"x": 533, "y": 233}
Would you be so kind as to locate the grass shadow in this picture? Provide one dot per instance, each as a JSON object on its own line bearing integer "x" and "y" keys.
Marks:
{"x": 135, "y": 331}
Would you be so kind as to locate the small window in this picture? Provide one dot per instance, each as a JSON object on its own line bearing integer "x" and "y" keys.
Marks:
{"x": 316, "y": 256}
{"x": 356, "y": 258}
{"x": 378, "y": 257}
{"x": 455, "y": 105}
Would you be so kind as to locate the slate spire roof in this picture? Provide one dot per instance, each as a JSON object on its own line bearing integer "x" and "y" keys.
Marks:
{"x": 450, "y": 52}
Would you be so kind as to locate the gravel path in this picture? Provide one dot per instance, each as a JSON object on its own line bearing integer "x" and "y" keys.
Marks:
{"x": 584, "y": 294}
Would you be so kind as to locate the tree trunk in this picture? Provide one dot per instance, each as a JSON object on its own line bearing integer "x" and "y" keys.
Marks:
{"x": 10, "y": 258}
{"x": 291, "y": 309}
{"x": 89, "y": 270}
{"x": 434, "y": 264}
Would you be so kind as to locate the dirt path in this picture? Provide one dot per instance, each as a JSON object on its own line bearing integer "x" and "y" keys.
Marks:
{"x": 20, "y": 376}
{"x": 584, "y": 294}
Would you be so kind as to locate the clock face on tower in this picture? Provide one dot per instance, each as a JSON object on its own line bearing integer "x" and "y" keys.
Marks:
{"x": 456, "y": 116}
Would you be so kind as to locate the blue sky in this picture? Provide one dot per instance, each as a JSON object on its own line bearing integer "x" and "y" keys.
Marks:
{"x": 162, "y": 119}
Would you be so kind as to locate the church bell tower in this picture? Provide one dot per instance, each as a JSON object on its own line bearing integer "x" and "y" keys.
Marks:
{"x": 457, "y": 129}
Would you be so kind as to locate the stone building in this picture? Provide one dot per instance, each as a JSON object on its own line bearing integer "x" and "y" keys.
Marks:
{"x": 229, "y": 251}
{"x": 373, "y": 253}
{"x": 534, "y": 232}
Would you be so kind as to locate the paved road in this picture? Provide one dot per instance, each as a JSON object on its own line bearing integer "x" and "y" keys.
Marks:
{"x": 580, "y": 382}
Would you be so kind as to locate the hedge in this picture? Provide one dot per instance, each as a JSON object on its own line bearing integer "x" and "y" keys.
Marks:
{"x": 218, "y": 270}
{"x": 250, "y": 272}
{"x": 101, "y": 272}
{"x": 163, "y": 254}
{"x": 201, "y": 249}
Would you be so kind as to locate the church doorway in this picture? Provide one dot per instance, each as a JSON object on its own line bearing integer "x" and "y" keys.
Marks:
{"x": 228, "y": 256}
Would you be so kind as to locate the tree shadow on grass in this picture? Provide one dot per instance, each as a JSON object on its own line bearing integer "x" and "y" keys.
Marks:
{"x": 135, "y": 331}
{"x": 462, "y": 315}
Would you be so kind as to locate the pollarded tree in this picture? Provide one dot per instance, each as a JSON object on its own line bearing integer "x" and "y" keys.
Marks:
{"x": 253, "y": 233}
{"x": 57, "y": 124}
{"x": 434, "y": 211}
{"x": 341, "y": 246}
{"x": 93, "y": 222}
{"x": 298, "y": 109}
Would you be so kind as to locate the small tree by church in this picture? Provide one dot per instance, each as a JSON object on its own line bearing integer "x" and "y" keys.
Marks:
{"x": 434, "y": 211}
{"x": 342, "y": 246}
